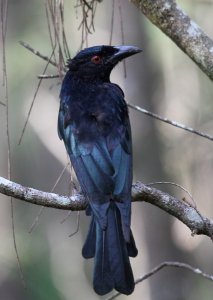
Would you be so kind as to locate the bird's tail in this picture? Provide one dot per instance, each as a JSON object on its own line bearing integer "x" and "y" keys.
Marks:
{"x": 112, "y": 266}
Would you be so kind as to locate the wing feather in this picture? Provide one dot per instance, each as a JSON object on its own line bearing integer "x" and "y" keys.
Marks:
{"x": 103, "y": 165}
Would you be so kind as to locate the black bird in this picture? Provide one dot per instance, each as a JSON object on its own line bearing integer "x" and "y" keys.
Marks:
{"x": 94, "y": 125}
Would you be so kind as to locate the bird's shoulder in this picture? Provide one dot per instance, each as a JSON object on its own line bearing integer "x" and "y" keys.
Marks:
{"x": 101, "y": 103}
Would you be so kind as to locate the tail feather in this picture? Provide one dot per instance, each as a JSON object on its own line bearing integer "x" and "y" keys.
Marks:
{"x": 102, "y": 279}
{"x": 112, "y": 266}
{"x": 88, "y": 250}
{"x": 121, "y": 270}
{"x": 131, "y": 247}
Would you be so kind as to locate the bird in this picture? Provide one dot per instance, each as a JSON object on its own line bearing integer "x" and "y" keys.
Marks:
{"x": 94, "y": 124}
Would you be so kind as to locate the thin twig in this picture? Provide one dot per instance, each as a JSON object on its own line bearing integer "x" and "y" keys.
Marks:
{"x": 73, "y": 191}
{"x": 86, "y": 25}
{"x": 77, "y": 225}
{"x": 208, "y": 2}
{"x": 112, "y": 22}
{"x": 184, "y": 199}
{"x": 49, "y": 29}
{"x": 1, "y": 103}
{"x": 175, "y": 184}
{"x": 171, "y": 122}
{"x": 65, "y": 218}
{"x": 122, "y": 36}
{"x": 4, "y": 10}
{"x": 93, "y": 14}
{"x": 60, "y": 176}
{"x": 36, "y": 220}
{"x": 45, "y": 76}
{"x": 64, "y": 38}
{"x": 168, "y": 264}
{"x": 55, "y": 13}
{"x": 87, "y": 4}
{"x": 37, "y": 53}
{"x": 33, "y": 101}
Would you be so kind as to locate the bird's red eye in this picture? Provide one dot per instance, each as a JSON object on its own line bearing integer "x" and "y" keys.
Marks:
{"x": 96, "y": 59}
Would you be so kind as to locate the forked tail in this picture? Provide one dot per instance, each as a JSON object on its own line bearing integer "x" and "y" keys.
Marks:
{"x": 112, "y": 266}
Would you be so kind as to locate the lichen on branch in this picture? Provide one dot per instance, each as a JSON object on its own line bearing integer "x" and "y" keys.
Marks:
{"x": 176, "y": 24}
{"x": 180, "y": 209}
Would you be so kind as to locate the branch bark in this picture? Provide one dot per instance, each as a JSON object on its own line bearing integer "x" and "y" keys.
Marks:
{"x": 177, "y": 25}
{"x": 180, "y": 209}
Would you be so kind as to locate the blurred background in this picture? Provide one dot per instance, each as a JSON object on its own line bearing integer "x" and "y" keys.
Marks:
{"x": 163, "y": 80}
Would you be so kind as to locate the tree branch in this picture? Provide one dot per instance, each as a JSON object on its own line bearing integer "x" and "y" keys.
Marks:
{"x": 164, "y": 265}
{"x": 180, "y": 209}
{"x": 177, "y": 25}
{"x": 15, "y": 190}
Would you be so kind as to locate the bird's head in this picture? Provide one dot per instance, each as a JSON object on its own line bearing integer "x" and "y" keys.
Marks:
{"x": 97, "y": 62}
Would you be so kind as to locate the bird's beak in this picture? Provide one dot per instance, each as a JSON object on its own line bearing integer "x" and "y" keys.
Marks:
{"x": 123, "y": 52}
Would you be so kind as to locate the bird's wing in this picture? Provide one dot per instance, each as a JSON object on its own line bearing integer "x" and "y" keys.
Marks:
{"x": 103, "y": 166}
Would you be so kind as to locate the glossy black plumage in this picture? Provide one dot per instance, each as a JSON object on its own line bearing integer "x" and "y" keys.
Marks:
{"x": 94, "y": 124}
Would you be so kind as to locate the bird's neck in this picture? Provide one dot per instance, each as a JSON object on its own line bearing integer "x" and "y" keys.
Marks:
{"x": 75, "y": 84}
{"x": 86, "y": 78}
